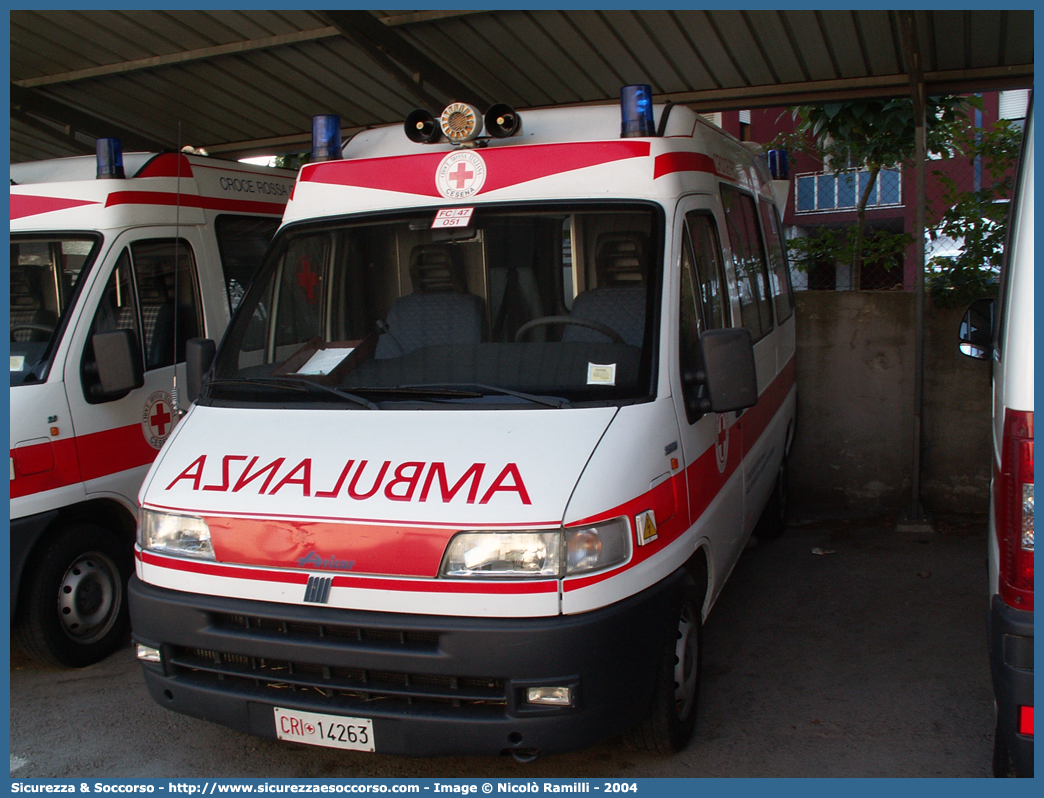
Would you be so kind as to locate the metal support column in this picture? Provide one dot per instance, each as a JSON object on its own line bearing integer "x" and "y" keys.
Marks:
{"x": 914, "y": 518}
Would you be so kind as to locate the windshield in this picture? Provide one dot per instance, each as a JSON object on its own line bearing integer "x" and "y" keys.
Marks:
{"x": 45, "y": 273}
{"x": 493, "y": 305}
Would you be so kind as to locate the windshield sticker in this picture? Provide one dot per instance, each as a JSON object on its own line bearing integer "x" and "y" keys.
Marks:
{"x": 601, "y": 375}
{"x": 17, "y": 362}
{"x": 324, "y": 361}
{"x": 452, "y": 217}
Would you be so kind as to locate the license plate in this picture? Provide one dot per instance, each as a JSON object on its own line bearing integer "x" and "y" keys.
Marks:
{"x": 332, "y": 731}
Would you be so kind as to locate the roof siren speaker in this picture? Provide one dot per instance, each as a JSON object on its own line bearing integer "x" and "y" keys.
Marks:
{"x": 420, "y": 127}
{"x": 461, "y": 122}
{"x": 109, "y": 153}
{"x": 636, "y": 111}
{"x": 502, "y": 121}
{"x": 326, "y": 137}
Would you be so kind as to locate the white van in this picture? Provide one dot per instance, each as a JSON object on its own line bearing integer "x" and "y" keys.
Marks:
{"x": 482, "y": 444}
{"x": 92, "y": 252}
{"x": 1003, "y": 330}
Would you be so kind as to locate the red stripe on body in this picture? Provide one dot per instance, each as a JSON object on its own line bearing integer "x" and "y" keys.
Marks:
{"x": 670, "y": 162}
{"x": 172, "y": 199}
{"x": 167, "y": 164}
{"x": 370, "y": 548}
{"x": 703, "y": 478}
{"x": 506, "y": 166}
{"x": 87, "y": 457}
{"x": 65, "y": 469}
{"x": 356, "y": 582}
{"x": 23, "y": 205}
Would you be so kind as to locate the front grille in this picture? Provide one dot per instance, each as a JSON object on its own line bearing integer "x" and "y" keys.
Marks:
{"x": 335, "y": 687}
{"x": 298, "y": 630}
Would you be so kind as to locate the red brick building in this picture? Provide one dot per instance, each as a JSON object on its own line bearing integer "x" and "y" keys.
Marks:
{"x": 819, "y": 198}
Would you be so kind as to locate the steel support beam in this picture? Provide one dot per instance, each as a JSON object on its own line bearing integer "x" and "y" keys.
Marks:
{"x": 38, "y": 104}
{"x": 408, "y": 65}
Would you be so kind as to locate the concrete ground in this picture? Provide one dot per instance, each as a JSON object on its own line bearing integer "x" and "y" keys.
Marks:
{"x": 843, "y": 649}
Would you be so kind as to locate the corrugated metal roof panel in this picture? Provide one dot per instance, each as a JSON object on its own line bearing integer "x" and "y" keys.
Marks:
{"x": 243, "y": 81}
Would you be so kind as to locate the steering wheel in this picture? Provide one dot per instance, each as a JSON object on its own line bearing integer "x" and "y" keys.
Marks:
{"x": 579, "y": 321}
{"x": 44, "y": 328}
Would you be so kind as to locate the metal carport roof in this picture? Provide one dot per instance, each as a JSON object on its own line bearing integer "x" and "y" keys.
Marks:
{"x": 248, "y": 82}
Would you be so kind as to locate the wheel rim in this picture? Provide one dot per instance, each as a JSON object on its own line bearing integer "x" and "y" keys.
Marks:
{"x": 89, "y": 597}
{"x": 686, "y": 663}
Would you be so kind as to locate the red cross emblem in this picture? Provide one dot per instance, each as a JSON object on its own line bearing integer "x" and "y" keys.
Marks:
{"x": 461, "y": 175}
{"x": 159, "y": 419}
{"x": 307, "y": 279}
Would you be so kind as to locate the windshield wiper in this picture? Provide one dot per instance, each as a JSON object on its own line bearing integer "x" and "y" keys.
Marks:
{"x": 294, "y": 384}
{"x": 481, "y": 389}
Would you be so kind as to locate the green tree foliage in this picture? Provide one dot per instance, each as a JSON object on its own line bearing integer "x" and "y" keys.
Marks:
{"x": 871, "y": 135}
{"x": 978, "y": 218}
{"x": 880, "y": 249}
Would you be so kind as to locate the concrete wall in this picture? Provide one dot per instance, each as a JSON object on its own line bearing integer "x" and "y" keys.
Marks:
{"x": 855, "y": 371}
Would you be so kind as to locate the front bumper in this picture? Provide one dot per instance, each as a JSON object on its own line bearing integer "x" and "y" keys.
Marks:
{"x": 1011, "y": 663}
{"x": 432, "y": 685}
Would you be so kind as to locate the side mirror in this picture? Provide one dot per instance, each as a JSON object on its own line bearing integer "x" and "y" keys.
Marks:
{"x": 976, "y": 335}
{"x": 199, "y": 356}
{"x": 728, "y": 379}
{"x": 117, "y": 358}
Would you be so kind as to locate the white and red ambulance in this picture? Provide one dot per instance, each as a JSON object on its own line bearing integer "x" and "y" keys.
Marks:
{"x": 1002, "y": 330}
{"x": 483, "y": 442}
{"x": 140, "y": 251}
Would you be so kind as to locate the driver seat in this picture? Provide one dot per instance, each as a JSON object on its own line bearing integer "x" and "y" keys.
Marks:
{"x": 619, "y": 300}
{"x": 622, "y": 308}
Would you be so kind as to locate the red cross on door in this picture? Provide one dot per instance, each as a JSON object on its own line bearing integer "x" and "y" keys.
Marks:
{"x": 159, "y": 419}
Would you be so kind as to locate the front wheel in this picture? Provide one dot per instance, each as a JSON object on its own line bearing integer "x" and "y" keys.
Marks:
{"x": 672, "y": 720}
{"x": 75, "y": 603}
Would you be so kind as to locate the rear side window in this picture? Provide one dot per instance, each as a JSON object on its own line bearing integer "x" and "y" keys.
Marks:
{"x": 779, "y": 273}
{"x": 242, "y": 242}
{"x": 741, "y": 220}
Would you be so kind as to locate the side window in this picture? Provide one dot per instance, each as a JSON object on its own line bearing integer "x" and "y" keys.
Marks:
{"x": 749, "y": 256}
{"x": 242, "y": 242}
{"x": 690, "y": 325}
{"x": 779, "y": 273}
{"x": 710, "y": 275}
{"x": 155, "y": 299}
{"x": 165, "y": 272}
{"x": 117, "y": 310}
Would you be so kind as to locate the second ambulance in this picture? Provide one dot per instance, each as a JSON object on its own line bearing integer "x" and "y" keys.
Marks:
{"x": 483, "y": 442}
{"x": 139, "y": 252}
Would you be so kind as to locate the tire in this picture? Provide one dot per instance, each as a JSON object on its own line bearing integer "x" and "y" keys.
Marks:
{"x": 74, "y": 608}
{"x": 773, "y": 521}
{"x": 672, "y": 719}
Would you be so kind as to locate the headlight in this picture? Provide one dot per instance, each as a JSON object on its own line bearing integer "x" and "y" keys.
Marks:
{"x": 594, "y": 547}
{"x": 183, "y": 535}
{"x": 502, "y": 554}
{"x": 543, "y": 554}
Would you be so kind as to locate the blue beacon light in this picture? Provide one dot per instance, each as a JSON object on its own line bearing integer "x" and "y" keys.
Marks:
{"x": 636, "y": 111}
{"x": 326, "y": 137}
{"x": 109, "y": 154}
